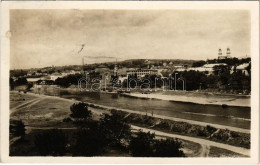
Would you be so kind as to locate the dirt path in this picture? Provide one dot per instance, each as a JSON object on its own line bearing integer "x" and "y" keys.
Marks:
{"x": 21, "y": 105}
{"x": 205, "y": 143}
{"x": 25, "y": 105}
{"x": 14, "y": 140}
{"x": 204, "y": 150}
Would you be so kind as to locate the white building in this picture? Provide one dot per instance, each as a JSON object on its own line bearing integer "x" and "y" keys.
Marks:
{"x": 242, "y": 68}
{"x": 54, "y": 76}
{"x": 208, "y": 69}
{"x": 142, "y": 72}
{"x": 212, "y": 65}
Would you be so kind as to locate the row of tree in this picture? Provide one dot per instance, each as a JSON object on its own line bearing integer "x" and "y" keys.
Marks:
{"x": 229, "y": 61}
{"x": 20, "y": 81}
{"x": 221, "y": 79}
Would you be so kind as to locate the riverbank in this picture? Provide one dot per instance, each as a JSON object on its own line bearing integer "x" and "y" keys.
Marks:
{"x": 196, "y": 98}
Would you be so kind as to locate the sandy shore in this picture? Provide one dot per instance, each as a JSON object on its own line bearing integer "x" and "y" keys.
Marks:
{"x": 208, "y": 100}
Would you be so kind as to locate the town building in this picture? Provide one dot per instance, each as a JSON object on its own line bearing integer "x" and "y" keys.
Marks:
{"x": 56, "y": 75}
{"x": 207, "y": 69}
{"x": 242, "y": 68}
{"x": 142, "y": 72}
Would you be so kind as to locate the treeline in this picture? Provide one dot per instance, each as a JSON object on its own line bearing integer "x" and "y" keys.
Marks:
{"x": 229, "y": 61}
{"x": 221, "y": 80}
{"x": 68, "y": 80}
{"x": 139, "y": 63}
{"x": 20, "y": 81}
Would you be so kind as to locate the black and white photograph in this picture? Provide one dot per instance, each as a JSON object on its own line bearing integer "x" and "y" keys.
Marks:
{"x": 132, "y": 83}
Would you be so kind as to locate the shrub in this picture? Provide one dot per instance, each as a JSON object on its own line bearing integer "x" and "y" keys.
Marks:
{"x": 180, "y": 127}
{"x": 202, "y": 132}
{"x": 222, "y": 135}
{"x": 52, "y": 142}
{"x": 163, "y": 125}
{"x": 211, "y": 129}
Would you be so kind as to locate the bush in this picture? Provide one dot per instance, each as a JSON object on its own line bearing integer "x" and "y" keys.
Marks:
{"x": 222, "y": 135}
{"x": 53, "y": 142}
{"x": 202, "y": 132}
{"x": 80, "y": 110}
{"x": 163, "y": 125}
{"x": 180, "y": 127}
{"x": 211, "y": 129}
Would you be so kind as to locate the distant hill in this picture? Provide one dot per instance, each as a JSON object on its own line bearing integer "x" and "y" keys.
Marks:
{"x": 131, "y": 63}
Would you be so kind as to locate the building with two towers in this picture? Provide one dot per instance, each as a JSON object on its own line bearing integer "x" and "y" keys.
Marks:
{"x": 224, "y": 56}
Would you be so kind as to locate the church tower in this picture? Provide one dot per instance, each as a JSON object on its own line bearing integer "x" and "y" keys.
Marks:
{"x": 220, "y": 54}
{"x": 228, "y": 53}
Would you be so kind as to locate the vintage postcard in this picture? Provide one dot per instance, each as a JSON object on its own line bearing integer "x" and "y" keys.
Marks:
{"x": 130, "y": 82}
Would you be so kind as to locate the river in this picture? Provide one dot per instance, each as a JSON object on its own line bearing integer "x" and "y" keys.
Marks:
{"x": 229, "y": 116}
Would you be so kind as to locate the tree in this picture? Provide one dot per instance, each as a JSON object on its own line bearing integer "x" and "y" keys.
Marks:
{"x": 115, "y": 128}
{"x": 68, "y": 80}
{"x": 21, "y": 81}
{"x": 17, "y": 128}
{"x": 145, "y": 145}
{"x": 140, "y": 146}
{"x": 11, "y": 83}
{"x": 30, "y": 85}
{"x": 168, "y": 148}
{"x": 199, "y": 63}
{"x": 89, "y": 142}
{"x": 221, "y": 69}
{"x": 80, "y": 111}
{"x": 51, "y": 142}
{"x": 193, "y": 80}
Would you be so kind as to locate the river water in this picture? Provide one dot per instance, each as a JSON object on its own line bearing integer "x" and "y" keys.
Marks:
{"x": 230, "y": 116}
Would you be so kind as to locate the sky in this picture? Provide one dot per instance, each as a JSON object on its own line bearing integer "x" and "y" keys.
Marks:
{"x": 43, "y": 38}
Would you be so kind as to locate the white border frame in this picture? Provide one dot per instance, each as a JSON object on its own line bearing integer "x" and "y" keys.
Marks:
{"x": 253, "y": 6}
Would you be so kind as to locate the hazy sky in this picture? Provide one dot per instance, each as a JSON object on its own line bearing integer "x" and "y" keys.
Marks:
{"x": 55, "y": 37}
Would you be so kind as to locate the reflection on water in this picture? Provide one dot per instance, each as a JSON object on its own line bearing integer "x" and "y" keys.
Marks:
{"x": 231, "y": 116}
